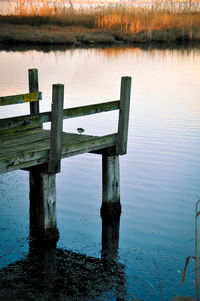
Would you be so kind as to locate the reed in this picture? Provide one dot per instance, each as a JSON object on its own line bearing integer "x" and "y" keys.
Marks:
{"x": 158, "y": 22}
{"x": 134, "y": 20}
{"x": 56, "y": 13}
{"x": 197, "y": 214}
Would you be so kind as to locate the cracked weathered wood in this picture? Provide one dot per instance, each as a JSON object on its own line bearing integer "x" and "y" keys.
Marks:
{"x": 56, "y": 129}
{"x": 29, "y": 120}
{"x": 121, "y": 147}
{"x": 111, "y": 207}
{"x": 25, "y": 145}
{"x": 111, "y": 181}
{"x": 33, "y": 148}
{"x": 43, "y": 204}
{"x": 20, "y": 98}
{"x": 33, "y": 87}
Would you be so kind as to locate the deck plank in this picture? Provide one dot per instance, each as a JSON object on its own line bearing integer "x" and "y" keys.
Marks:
{"x": 28, "y": 149}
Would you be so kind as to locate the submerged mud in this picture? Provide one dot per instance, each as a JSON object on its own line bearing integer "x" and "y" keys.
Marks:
{"x": 56, "y": 274}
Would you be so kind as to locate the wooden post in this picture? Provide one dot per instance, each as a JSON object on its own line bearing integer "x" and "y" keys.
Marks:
{"x": 121, "y": 146}
{"x": 111, "y": 186}
{"x": 43, "y": 205}
{"x": 43, "y": 182}
{"x": 33, "y": 87}
{"x": 56, "y": 129}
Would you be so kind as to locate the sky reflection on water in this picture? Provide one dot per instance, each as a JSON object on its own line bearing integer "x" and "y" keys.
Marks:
{"x": 160, "y": 175}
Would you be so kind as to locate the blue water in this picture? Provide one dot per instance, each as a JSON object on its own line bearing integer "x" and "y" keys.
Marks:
{"x": 160, "y": 175}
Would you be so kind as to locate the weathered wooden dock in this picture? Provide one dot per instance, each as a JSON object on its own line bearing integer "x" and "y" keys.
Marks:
{"x": 26, "y": 145}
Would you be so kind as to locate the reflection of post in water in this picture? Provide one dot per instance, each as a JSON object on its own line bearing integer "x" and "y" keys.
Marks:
{"x": 110, "y": 238}
{"x": 42, "y": 261}
{"x": 109, "y": 255}
{"x": 49, "y": 273}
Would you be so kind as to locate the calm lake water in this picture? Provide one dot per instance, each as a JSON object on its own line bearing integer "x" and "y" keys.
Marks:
{"x": 160, "y": 175}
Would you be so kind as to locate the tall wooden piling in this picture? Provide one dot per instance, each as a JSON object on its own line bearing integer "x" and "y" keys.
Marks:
{"x": 33, "y": 87}
{"x": 43, "y": 178}
{"x": 56, "y": 129}
{"x": 122, "y": 137}
{"x": 111, "y": 206}
{"x": 43, "y": 224}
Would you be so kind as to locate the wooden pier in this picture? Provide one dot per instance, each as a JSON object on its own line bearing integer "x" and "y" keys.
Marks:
{"x": 26, "y": 145}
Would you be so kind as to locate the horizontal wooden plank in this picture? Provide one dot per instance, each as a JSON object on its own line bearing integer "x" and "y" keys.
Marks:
{"x": 39, "y": 158}
{"x": 88, "y": 145}
{"x": 40, "y": 141}
{"x": 20, "y": 98}
{"x": 24, "y": 138}
{"x": 24, "y": 155}
{"x": 29, "y": 120}
{"x": 24, "y": 121}
{"x": 36, "y": 142}
{"x": 91, "y": 109}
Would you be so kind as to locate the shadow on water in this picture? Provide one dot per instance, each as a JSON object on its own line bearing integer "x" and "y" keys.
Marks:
{"x": 55, "y": 274}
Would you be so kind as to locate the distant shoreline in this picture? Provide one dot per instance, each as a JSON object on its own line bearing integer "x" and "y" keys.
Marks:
{"x": 75, "y": 36}
{"x": 110, "y": 25}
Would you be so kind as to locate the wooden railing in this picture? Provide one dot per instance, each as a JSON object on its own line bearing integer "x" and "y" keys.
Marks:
{"x": 25, "y": 144}
{"x": 24, "y": 120}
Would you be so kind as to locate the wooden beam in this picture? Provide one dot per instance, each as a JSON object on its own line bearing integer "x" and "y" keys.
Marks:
{"x": 24, "y": 120}
{"x": 111, "y": 181}
{"x": 89, "y": 144}
{"x": 43, "y": 204}
{"x": 20, "y": 98}
{"x": 111, "y": 207}
{"x": 28, "y": 120}
{"x": 121, "y": 147}
{"x": 56, "y": 129}
{"x": 91, "y": 109}
{"x": 33, "y": 87}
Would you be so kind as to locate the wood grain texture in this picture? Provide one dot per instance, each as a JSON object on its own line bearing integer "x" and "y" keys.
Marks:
{"x": 23, "y": 151}
{"x": 33, "y": 87}
{"x": 56, "y": 129}
{"x": 20, "y": 98}
{"x": 110, "y": 179}
{"x": 121, "y": 147}
{"x": 30, "y": 120}
{"x": 42, "y": 199}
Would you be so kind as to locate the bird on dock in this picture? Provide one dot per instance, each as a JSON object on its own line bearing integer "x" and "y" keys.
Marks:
{"x": 80, "y": 130}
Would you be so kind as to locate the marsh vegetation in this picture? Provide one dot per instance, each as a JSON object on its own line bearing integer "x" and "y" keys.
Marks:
{"x": 58, "y": 23}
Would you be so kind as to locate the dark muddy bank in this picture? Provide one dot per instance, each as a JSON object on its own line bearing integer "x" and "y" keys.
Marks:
{"x": 76, "y": 37}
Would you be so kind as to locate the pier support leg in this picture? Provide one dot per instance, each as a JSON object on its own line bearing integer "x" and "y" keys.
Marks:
{"x": 43, "y": 224}
{"x": 111, "y": 206}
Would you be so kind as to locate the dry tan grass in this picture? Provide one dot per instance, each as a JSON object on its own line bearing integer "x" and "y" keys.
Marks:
{"x": 134, "y": 20}
{"x": 133, "y": 24}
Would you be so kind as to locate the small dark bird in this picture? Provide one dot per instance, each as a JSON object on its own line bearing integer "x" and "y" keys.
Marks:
{"x": 80, "y": 130}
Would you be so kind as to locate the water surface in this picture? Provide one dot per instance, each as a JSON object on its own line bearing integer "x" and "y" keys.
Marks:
{"x": 160, "y": 175}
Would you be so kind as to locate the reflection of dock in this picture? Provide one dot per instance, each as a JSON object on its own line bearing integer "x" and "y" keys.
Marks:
{"x": 56, "y": 274}
{"x": 26, "y": 145}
